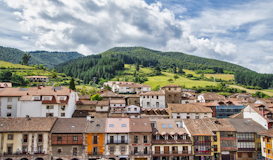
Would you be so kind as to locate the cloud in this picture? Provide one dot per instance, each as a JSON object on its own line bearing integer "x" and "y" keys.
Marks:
{"x": 93, "y": 26}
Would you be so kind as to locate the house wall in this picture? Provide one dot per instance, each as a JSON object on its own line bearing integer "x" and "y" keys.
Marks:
{"x": 263, "y": 145}
{"x": 200, "y": 98}
{"x": 100, "y": 142}
{"x": 132, "y": 109}
{"x": 152, "y": 100}
{"x": 4, "y": 105}
{"x": 250, "y": 113}
{"x": 67, "y": 152}
{"x": 104, "y": 108}
{"x": 188, "y": 101}
{"x": 86, "y": 107}
{"x": 31, "y": 108}
{"x": 133, "y": 100}
{"x": 117, "y": 105}
{"x": 192, "y": 115}
{"x": 71, "y": 104}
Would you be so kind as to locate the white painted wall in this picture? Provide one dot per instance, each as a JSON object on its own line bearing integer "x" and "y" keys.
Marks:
{"x": 31, "y": 108}
{"x": 263, "y": 146}
{"x": 117, "y": 105}
{"x": 152, "y": 100}
{"x": 71, "y": 104}
{"x": 192, "y": 115}
{"x": 201, "y": 98}
{"x": 131, "y": 109}
{"x": 4, "y": 105}
{"x": 146, "y": 89}
{"x": 104, "y": 108}
{"x": 251, "y": 113}
{"x": 188, "y": 101}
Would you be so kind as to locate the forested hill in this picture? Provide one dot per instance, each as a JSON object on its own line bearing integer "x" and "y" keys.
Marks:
{"x": 48, "y": 59}
{"x": 166, "y": 60}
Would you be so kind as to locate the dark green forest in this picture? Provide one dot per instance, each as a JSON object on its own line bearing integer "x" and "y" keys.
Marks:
{"x": 165, "y": 60}
{"x": 48, "y": 59}
{"x": 254, "y": 79}
{"x": 86, "y": 68}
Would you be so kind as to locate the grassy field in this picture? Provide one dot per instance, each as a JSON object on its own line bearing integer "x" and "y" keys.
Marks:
{"x": 129, "y": 69}
{"x": 268, "y": 92}
{"x": 11, "y": 65}
{"x": 221, "y": 76}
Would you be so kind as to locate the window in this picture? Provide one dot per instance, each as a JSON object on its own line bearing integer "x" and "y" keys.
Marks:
{"x": 59, "y": 138}
{"x": 101, "y": 107}
{"x": 157, "y": 104}
{"x": 175, "y": 137}
{"x": 49, "y": 107}
{"x": 129, "y": 109}
{"x": 214, "y": 138}
{"x": 8, "y": 114}
{"x": 74, "y": 151}
{"x": 59, "y": 151}
{"x": 24, "y": 149}
{"x": 123, "y": 125}
{"x": 10, "y": 99}
{"x": 170, "y": 126}
{"x": 166, "y": 137}
{"x": 145, "y": 150}
{"x": 249, "y": 154}
{"x": 163, "y": 126}
{"x": 169, "y": 88}
{"x": 205, "y": 113}
{"x": 152, "y": 96}
{"x": 148, "y": 104}
{"x": 196, "y": 117}
{"x": 9, "y": 149}
{"x": 188, "y": 117}
{"x": 63, "y": 108}
{"x": 111, "y": 125}
{"x": 135, "y": 109}
{"x": 112, "y": 149}
{"x": 40, "y": 138}
{"x": 143, "y": 96}
{"x": 184, "y": 137}
{"x": 122, "y": 139}
{"x": 75, "y": 138}
{"x": 10, "y": 136}
{"x": 147, "y": 96}
{"x": 156, "y": 97}
{"x": 49, "y": 114}
{"x": 135, "y": 139}
{"x": 62, "y": 114}
{"x": 145, "y": 140}
{"x": 178, "y": 117}
{"x": 9, "y": 107}
{"x": 157, "y": 137}
{"x": 95, "y": 140}
{"x": 135, "y": 149}
{"x": 215, "y": 147}
{"x": 25, "y": 138}
{"x": 122, "y": 149}
{"x": 40, "y": 149}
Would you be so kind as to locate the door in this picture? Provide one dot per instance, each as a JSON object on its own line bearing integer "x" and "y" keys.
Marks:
{"x": 122, "y": 139}
{"x": 95, "y": 150}
{"x": 166, "y": 150}
{"x": 185, "y": 149}
{"x": 174, "y": 150}
{"x": 111, "y": 139}
{"x": 157, "y": 150}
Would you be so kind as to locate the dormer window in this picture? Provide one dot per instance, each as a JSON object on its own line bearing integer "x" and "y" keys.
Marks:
{"x": 261, "y": 108}
{"x": 166, "y": 137}
{"x": 269, "y": 115}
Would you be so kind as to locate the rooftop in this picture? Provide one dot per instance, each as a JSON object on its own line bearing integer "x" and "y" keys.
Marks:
{"x": 70, "y": 125}
{"x": 188, "y": 108}
{"x": 97, "y": 125}
{"x": 246, "y": 125}
{"x": 153, "y": 93}
{"x": 140, "y": 125}
{"x": 167, "y": 126}
{"x": 117, "y": 125}
{"x": 212, "y": 96}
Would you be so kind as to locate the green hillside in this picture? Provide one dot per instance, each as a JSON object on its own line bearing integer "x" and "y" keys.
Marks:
{"x": 48, "y": 59}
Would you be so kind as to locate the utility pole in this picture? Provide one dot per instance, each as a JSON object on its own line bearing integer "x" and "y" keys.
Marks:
{"x": 94, "y": 81}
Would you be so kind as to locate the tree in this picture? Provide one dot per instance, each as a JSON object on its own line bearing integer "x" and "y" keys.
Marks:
{"x": 41, "y": 66}
{"x": 180, "y": 70}
{"x": 72, "y": 84}
{"x": 26, "y": 58}
{"x": 108, "y": 88}
{"x": 91, "y": 91}
{"x": 96, "y": 97}
{"x": 174, "y": 69}
{"x": 175, "y": 77}
{"x": 157, "y": 70}
{"x": 189, "y": 75}
{"x": 156, "y": 88}
{"x": 170, "y": 80}
{"x": 83, "y": 90}
{"x": 134, "y": 73}
{"x": 137, "y": 66}
{"x": 5, "y": 75}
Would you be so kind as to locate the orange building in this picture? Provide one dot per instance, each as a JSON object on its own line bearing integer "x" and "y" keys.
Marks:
{"x": 266, "y": 143}
{"x": 95, "y": 134}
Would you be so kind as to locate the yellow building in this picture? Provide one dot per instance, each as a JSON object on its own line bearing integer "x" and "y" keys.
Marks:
{"x": 266, "y": 143}
{"x": 95, "y": 134}
{"x": 25, "y": 137}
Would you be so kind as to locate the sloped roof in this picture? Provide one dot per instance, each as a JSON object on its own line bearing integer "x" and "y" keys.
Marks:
{"x": 267, "y": 132}
{"x": 188, "y": 108}
{"x": 153, "y": 93}
{"x": 117, "y": 125}
{"x": 107, "y": 93}
{"x": 171, "y": 85}
{"x": 103, "y": 103}
{"x": 117, "y": 101}
{"x": 238, "y": 115}
{"x": 86, "y": 102}
{"x": 70, "y": 125}
{"x": 246, "y": 125}
{"x": 167, "y": 126}
{"x": 140, "y": 125}
{"x": 212, "y": 96}
{"x": 97, "y": 125}
{"x": 199, "y": 127}
{"x": 81, "y": 113}
{"x": 20, "y": 124}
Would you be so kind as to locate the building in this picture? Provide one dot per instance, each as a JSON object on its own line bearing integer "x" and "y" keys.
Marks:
{"x": 37, "y": 78}
{"x": 68, "y": 140}
{"x": 170, "y": 142}
{"x": 38, "y": 102}
{"x": 204, "y": 139}
{"x": 153, "y": 99}
{"x": 86, "y": 105}
{"x": 266, "y": 144}
{"x": 96, "y": 136}
{"x": 117, "y": 138}
{"x": 173, "y": 93}
{"x": 140, "y": 139}
{"x": 188, "y": 111}
{"x": 248, "y": 141}
{"x": 133, "y": 88}
{"x": 260, "y": 114}
{"x": 109, "y": 95}
{"x": 133, "y": 111}
{"x": 5, "y": 85}
{"x": 115, "y": 84}
{"x": 210, "y": 97}
{"x": 132, "y": 99}
{"x": 155, "y": 113}
{"x": 26, "y": 138}
{"x": 186, "y": 100}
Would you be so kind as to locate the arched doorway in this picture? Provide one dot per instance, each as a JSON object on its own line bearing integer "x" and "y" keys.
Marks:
{"x": 112, "y": 158}
{"x": 74, "y": 159}
{"x": 39, "y": 159}
{"x": 59, "y": 159}
{"x": 8, "y": 159}
{"x": 24, "y": 159}
{"x": 122, "y": 159}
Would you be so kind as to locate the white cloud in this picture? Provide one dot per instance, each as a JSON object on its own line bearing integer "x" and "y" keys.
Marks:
{"x": 94, "y": 26}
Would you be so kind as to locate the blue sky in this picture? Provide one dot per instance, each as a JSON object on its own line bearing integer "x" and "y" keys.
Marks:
{"x": 235, "y": 31}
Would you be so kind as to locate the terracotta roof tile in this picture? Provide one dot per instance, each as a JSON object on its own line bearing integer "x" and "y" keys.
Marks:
{"x": 267, "y": 132}
{"x": 140, "y": 125}
{"x": 212, "y": 96}
{"x": 103, "y": 103}
{"x": 117, "y": 101}
{"x": 171, "y": 85}
{"x": 70, "y": 125}
{"x": 246, "y": 125}
{"x": 109, "y": 94}
{"x": 167, "y": 126}
{"x": 120, "y": 125}
{"x": 188, "y": 108}
{"x": 20, "y": 124}
{"x": 97, "y": 125}
{"x": 81, "y": 113}
{"x": 153, "y": 93}
{"x": 86, "y": 102}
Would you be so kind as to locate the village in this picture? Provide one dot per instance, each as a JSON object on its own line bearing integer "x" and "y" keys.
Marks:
{"x": 131, "y": 122}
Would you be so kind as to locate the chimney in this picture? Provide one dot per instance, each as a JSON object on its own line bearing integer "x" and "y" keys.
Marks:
{"x": 27, "y": 94}
{"x": 27, "y": 117}
{"x": 54, "y": 90}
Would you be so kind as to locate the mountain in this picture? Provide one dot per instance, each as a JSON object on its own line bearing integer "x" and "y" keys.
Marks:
{"x": 166, "y": 60}
{"x": 48, "y": 59}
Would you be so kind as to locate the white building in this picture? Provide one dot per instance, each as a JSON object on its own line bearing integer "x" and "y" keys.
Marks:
{"x": 153, "y": 99}
{"x": 117, "y": 138}
{"x": 188, "y": 111}
{"x": 37, "y": 78}
{"x": 210, "y": 97}
{"x": 133, "y": 88}
{"x": 38, "y": 102}
{"x": 133, "y": 111}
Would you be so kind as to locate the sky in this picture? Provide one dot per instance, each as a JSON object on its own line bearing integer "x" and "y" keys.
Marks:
{"x": 239, "y": 32}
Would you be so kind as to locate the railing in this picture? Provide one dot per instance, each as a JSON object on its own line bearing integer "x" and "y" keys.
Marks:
{"x": 15, "y": 153}
{"x": 139, "y": 153}
{"x": 203, "y": 143}
{"x": 117, "y": 141}
{"x": 171, "y": 141}
{"x": 202, "y": 152}
{"x": 39, "y": 152}
{"x": 171, "y": 152}
{"x": 246, "y": 149}
{"x": 95, "y": 153}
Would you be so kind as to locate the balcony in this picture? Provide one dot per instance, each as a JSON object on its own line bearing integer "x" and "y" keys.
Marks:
{"x": 202, "y": 143}
{"x": 15, "y": 153}
{"x": 246, "y": 149}
{"x": 171, "y": 141}
{"x": 117, "y": 141}
{"x": 202, "y": 153}
{"x": 39, "y": 152}
{"x": 140, "y": 153}
{"x": 95, "y": 153}
{"x": 171, "y": 153}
